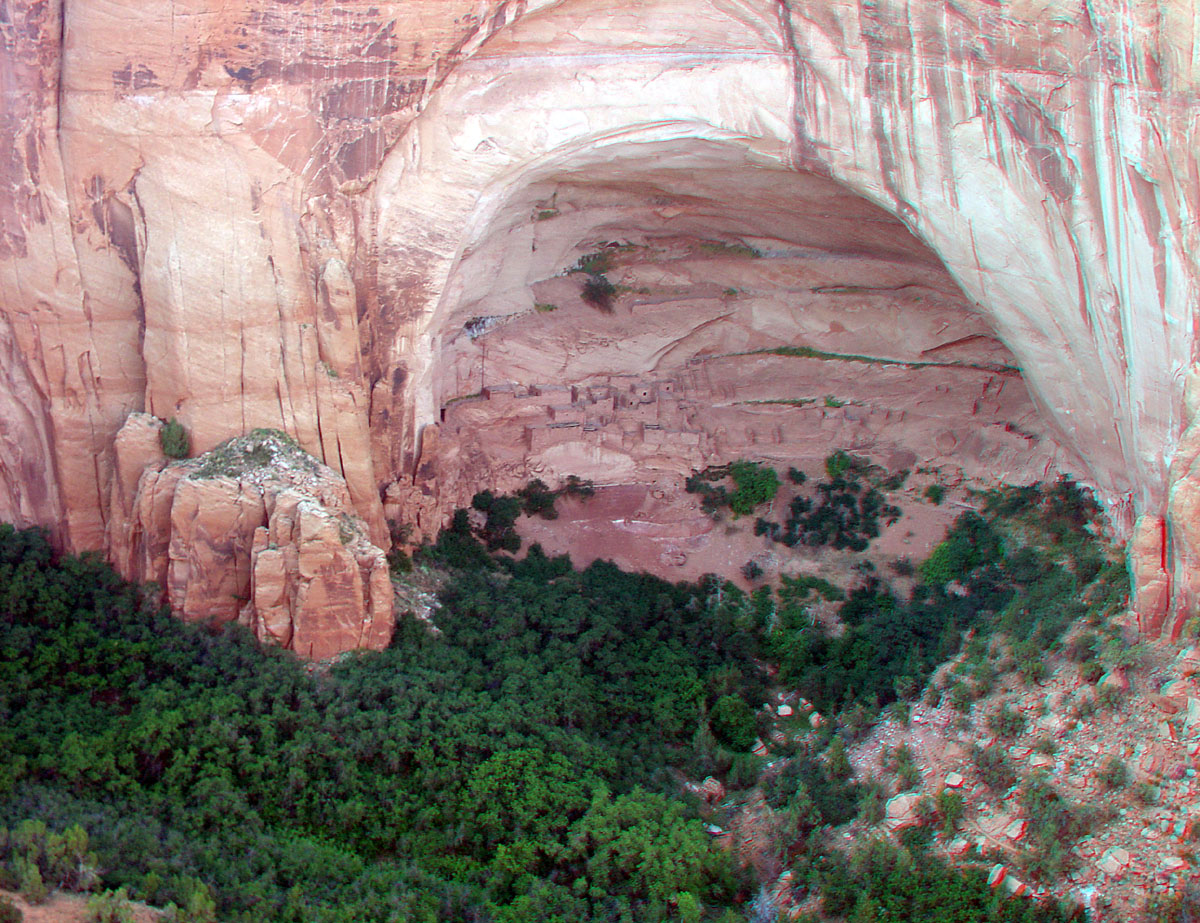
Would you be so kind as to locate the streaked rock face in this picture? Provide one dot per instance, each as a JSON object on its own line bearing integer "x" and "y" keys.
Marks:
{"x": 296, "y": 215}
{"x": 254, "y": 531}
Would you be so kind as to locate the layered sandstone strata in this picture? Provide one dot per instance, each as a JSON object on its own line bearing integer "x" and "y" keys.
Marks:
{"x": 284, "y": 215}
{"x": 255, "y": 531}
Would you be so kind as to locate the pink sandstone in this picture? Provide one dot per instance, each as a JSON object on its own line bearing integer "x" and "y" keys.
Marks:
{"x": 334, "y": 219}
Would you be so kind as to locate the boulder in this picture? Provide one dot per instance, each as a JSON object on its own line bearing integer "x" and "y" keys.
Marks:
{"x": 256, "y": 531}
{"x": 1114, "y": 862}
{"x": 901, "y": 811}
{"x": 711, "y": 790}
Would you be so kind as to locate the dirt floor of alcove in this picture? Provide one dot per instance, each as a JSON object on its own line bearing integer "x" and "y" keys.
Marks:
{"x": 661, "y": 529}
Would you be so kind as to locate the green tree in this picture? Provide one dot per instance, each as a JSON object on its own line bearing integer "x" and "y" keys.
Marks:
{"x": 732, "y": 723}
{"x": 110, "y": 907}
{"x": 755, "y": 484}
{"x": 174, "y": 439}
{"x": 641, "y": 847}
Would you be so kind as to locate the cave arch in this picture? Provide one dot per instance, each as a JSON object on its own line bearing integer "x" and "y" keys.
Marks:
{"x": 756, "y": 311}
{"x": 1026, "y": 178}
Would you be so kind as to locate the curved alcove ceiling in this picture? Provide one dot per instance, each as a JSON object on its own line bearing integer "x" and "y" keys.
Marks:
{"x": 633, "y": 195}
{"x": 646, "y": 184}
{"x": 769, "y": 302}
{"x": 1028, "y": 237}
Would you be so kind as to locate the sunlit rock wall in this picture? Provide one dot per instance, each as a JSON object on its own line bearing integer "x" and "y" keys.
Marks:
{"x": 257, "y": 214}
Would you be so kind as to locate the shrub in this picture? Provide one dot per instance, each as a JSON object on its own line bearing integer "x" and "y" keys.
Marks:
{"x": 1030, "y": 658}
{"x": 599, "y": 292}
{"x": 502, "y": 512}
{"x": 871, "y": 804}
{"x": 961, "y": 696}
{"x": 110, "y": 907}
{"x": 10, "y": 912}
{"x": 1110, "y": 696}
{"x": 576, "y": 487}
{"x": 538, "y": 500}
{"x": 935, "y": 493}
{"x": 744, "y": 771}
{"x": 399, "y": 562}
{"x": 971, "y": 543}
{"x": 732, "y": 723}
{"x": 1090, "y": 671}
{"x": 754, "y": 485}
{"x": 993, "y": 767}
{"x": 29, "y": 877}
{"x": 752, "y": 570}
{"x": 837, "y": 763}
{"x": 839, "y": 463}
{"x": 1113, "y": 774}
{"x": 949, "y": 808}
{"x": 1053, "y": 822}
{"x": 174, "y": 439}
{"x": 1007, "y": 722}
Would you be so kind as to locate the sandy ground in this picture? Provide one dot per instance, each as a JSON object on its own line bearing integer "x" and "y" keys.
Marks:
{"x": 660, "y": 529}
{"x": 61, "y": 907}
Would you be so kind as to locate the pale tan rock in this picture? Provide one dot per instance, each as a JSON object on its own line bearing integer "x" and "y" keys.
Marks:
{"x": 1015, "y": 831}
{"x": 1114, "y": 862}
{"x": 135, "y": 448}
{"x": 273, "y": 542}
{"x": 1167, "y": 705}
{"x": 1147, "y": 565}
{"x": 1015, "y": 886}
{"x": 901, "y": 811}
{"x": 712, "y": 790}
{"x": 1187, "y": 662}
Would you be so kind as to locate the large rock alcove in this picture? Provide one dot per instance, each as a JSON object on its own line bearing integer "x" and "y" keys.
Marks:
{"x": 639, "y": 310}
{"x": 288, "y": 217}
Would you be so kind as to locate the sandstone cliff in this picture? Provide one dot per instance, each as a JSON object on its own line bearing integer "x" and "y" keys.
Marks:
{"x": 256, "y": 531}
{"x": 320, "y": 217}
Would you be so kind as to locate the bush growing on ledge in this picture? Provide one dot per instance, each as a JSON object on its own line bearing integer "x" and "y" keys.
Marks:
{"x": 577, "y": 487}
{"x": 754, "y": 484}
{"x": 846, "y": 515}
{"x": 502, "y": 512}
{"x": 599, "y": 292}
{"x": 174, "y": 439}
{"x": 538, "y": 500}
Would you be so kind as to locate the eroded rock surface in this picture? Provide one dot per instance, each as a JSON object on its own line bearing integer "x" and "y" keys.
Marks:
{"x": 285, "y": 216}
{"x": 255, "y": 531}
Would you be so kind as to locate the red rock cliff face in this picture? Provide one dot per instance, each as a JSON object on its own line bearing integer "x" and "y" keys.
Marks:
{"x": 283, "y": 215}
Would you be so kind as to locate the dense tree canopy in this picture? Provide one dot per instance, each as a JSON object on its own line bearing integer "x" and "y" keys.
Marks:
{"x": 521, "y": 762}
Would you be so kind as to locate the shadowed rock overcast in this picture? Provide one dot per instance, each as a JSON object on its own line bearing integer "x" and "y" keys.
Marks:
{"x": 954, "y": 235}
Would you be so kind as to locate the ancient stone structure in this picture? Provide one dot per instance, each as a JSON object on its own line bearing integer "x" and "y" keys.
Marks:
{"x": 336, "y": 218}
